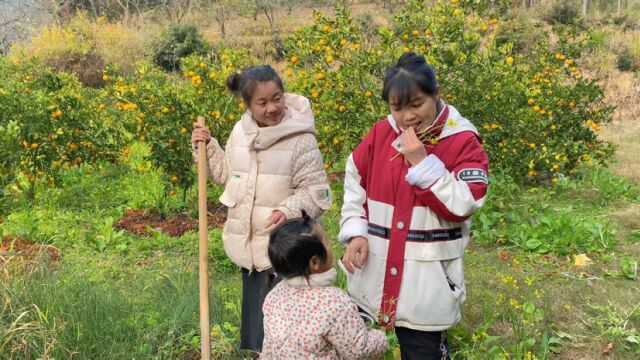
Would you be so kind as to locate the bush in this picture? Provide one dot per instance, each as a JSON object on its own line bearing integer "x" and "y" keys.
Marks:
{"x": 564, "y": 12}
{"x": 178, "y": 42}
{"x": 84, "y": 47}
{"x": 626, "y": 60}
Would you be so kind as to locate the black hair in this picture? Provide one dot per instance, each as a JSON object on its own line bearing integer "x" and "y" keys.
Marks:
{"x": 244, "y": 84}
{"x": 411, "y": 72}
{"x": 293, "y": 244}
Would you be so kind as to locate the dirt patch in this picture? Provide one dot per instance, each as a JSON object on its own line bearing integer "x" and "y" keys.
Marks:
{"x": 336, "y": 176}
{"x": 23, "y": 248}
{"x": 139, "y": 221}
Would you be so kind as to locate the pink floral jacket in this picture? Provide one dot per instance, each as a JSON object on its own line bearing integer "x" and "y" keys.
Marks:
{"x": 314, "y": 320}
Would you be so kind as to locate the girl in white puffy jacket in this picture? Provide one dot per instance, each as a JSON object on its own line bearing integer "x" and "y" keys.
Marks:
{"x": 271, "y": 169}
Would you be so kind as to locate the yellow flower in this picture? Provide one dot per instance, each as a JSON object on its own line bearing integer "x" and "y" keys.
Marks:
{"x": 530, "y": 102}
{"x": 343, "y": 42}
{"x": 202, "y": 65}
{"x": 581, "y": 260}
{"x": 457, "y": 12}
{"x": 314, "y": 94}
{"x": 184, "y": 130}
{"x": 536, "y": 108}
{"x": 294, "y": 59}
{"x": 102, "y": 106}
{"x": 329, "y": 59}
{"x": 368, "y": 94}
{"x": 326, "y": 28}
{"x": 454, "y": 1}
{"x": 415, "y": 32}
{"x": 319, "y": 76}
{"x": 105, "y": 77}
{"x": 405, "y": 37}
{"x": 509, "y": 60}
{"x": 484, "y": 28}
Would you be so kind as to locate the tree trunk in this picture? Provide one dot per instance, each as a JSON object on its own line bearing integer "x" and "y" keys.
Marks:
{"x": 619, "y": 5}
{"x": 585, "y": 7}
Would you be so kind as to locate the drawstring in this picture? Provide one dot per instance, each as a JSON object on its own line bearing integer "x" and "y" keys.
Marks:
{"x": 443, "y": 348}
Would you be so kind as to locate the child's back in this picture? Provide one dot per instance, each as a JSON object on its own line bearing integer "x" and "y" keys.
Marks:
{"x": 316, "y": 322}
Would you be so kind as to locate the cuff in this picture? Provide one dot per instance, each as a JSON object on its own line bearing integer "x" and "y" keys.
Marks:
{"x": 210, "y": 146}
{"x": 353, "y": 227}
{"x": 427, "y": 172}
{"x": 290, "y": 214}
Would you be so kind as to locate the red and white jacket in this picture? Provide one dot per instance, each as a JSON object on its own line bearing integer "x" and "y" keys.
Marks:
{"x": 416, "y": 220}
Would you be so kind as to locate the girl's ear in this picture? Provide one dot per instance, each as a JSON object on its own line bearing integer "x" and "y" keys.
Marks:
{"x": 315, "y": 264}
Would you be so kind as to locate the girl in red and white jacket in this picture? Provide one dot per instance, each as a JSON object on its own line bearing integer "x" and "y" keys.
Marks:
{"x": 410, "y": 187}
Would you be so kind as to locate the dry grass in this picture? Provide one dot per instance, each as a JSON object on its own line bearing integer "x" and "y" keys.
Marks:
{"x": 623, "y": 91}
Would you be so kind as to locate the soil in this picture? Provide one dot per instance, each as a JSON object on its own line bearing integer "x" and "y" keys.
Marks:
{"x": 138, "y": 221}
{"x": 11, "y": 246}
{"x": 336, "y": 176}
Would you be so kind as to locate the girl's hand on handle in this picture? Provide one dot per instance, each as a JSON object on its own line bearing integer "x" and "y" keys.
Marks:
{"x": 413, "y": 148}
{"x": 276, "y": 218}
{"x": 356, "y": 254}
{"x": 200, "y": 133}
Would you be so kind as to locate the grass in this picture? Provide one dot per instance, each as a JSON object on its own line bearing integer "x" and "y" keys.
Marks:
{"x": 137, "y": 296}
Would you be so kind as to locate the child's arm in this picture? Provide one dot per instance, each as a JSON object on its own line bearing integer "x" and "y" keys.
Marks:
{"x": 453, "y": 195}
{"x": 217, "y": 161}
{"x": 353, "y": 216}
{"x": 349, "y": 335}
{"x": 312, "y": 192}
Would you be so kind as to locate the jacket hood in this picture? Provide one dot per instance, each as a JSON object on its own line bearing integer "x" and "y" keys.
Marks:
{"x": 298, "y": 119}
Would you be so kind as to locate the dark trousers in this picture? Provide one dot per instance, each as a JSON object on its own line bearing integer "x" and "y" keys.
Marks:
{"x": 422, "y": 345}
{"x": 255, "y": 287}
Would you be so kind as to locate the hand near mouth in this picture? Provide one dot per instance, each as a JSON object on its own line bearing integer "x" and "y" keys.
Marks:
{"x": 412, "y": 147}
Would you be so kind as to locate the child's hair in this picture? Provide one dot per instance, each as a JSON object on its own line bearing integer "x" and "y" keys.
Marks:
{"x": 244, "y": 84}
{"x": 411, "y": 72}
{"x": 293, "y": 243}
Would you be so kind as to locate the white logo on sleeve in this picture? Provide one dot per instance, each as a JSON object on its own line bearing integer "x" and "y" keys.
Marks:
{"x": 473, "y": 175}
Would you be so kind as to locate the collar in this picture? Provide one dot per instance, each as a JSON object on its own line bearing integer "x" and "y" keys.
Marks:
{"x": 326, "y": 278}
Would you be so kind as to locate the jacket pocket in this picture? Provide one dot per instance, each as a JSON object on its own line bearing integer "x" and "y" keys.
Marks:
{"x": 231, "y": 192}
{"x": 430, "y": 295}
{"x": 321, "y": 195}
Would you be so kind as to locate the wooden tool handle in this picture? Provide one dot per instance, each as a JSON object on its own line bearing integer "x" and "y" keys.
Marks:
{"x": 205, "y": 335}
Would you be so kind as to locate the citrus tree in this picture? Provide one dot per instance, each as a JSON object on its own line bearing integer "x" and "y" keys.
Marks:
{"x": 159, "y": 109}
{"x": 50, "y": 121}
{"x": 538, "y": 116}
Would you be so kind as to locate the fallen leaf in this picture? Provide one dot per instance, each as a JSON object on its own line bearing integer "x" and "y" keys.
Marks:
{"x": 607, "y": 348}
{"x": 503, "y": 255}
{"x": 581, "y": 260}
